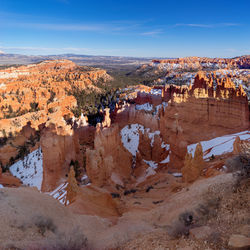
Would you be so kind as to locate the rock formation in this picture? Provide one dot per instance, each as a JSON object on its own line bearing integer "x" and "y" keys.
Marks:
{"x": 193, "y": 167}
{"x": 59, "y": 149}
{"x": 203, "y": 62}
{"x": 109, "y": 162}
{"x": 72, "y": 187}
{"x": 39, "y": 93}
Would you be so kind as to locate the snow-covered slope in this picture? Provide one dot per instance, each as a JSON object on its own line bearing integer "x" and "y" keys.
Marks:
{"x": 219, "y": 145}
{"x": 146, "y": 106}
{"x": 130, "y": 137}
{"x": 30, "y": 169}
{"x": 60, "y": 193}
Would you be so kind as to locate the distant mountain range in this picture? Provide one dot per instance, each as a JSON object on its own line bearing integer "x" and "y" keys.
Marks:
{"x": 10, "y": 59}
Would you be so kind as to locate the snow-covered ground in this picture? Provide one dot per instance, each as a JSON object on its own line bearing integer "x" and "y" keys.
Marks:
{"x": 130, "y": 137}
{"x": 30, "y": 169}
{"x": 165, "y": 160}
{"x": 158, "y": 107}
{"x": 146, "y": 106}
{"x": 60, "y": 193}
{"x": 177, "y": 174}
{"x": 149, "y": 107}
{"x": 1, "y": 186}
{"x": 219, "y": 145}
{"x": 156, "y": 91}
{"x": 151, "y": 164}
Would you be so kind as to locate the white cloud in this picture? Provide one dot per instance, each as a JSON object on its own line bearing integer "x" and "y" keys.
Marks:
{"x": 114, "y": 26}
{"x": 61, "y": 27}
{"x": 200, "y": 25}
{"x": 151, "y": 33}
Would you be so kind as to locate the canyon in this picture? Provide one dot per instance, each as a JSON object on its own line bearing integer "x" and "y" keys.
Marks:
{"x": 162, "y": 153}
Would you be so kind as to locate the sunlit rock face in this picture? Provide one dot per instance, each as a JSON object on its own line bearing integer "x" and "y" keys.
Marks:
{"x": 203, "y": 62}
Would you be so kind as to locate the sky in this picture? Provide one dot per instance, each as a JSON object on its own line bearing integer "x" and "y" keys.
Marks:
{"x": 138, "y": 28}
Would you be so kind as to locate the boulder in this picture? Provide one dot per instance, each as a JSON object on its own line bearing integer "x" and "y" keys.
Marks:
{"x": 238, "y": 241}
{"x": 201, "y": 233}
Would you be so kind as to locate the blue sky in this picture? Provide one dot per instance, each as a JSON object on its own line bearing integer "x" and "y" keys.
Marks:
{"x": 143, "y": 28}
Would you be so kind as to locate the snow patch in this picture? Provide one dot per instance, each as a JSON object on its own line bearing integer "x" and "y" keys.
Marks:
{"x": 146, "y": 106}
{"x": 166, "y": 146}
{"x": 1, "y": 186}
{"x": 166, "y": 160}
{"x": 30, "y": 169}
{"x": 158, "y": 107}
{"x": 152, "y": 164}
{"x": 130, "y": 137}
{"x": 177, "y": 174}
{"x": 60, "y": 193}
{"x": 151, "y": 135}
{"x": 219, "y": 145}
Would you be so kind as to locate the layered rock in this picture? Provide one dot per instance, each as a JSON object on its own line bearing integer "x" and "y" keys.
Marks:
{"x": 221, "y": 106}
{"x": 204, "y": 62}
{"x": 45, "y": 86}
{"x": 39, "y": 93}
{"x": 193, "y": 167}
{"x": 59, "y": 149}
{"x": 26, "y": 137}
{"x": 109, "y": 162}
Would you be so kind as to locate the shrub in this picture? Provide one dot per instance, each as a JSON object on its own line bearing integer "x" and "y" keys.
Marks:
{"x": 240, "y": 163}
{"x": 186, "y": 218}
{"x": 181, "y": 226}
{"x": 51, "y": 110}
{"x": 22, "y": 151}
{"x": 77, "y": 169}
{"x": 73, "y": 240}
{"x": 34, "y": 106}
{"x": 44, "y": 223}
{"x": 177, "y": 230}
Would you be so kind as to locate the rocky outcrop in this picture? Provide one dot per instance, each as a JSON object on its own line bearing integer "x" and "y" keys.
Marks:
{"x": 204, "y": 106}
{"x": 241, "y": 146}
{"x": 193, "y": 167}
{"x": 27, "y": 137}
{"x": 204, "y": 62}
{"x": 40, "y": 93}
{"x": 59, "y": 149}
{"x": 72, "y": 187}
{"x": 238, "y": 241}
{"x": 109, "y": 162}
{"x": 7, "y": 180}
{"x": 45, "y": 86}
{"x": 107, "y": 120}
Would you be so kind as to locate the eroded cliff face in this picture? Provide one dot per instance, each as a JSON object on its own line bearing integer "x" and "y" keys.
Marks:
{"x": 163, "y": 136}
{"x": 109, "y": 162}
{"x": 59, "y": 148}
{"x": 212, "y": 105}
{"x": 37, "y": 94}
{"x": 203, "y": 62}
{"x": 144, "y": 140}
{"x": 45, "y": 86}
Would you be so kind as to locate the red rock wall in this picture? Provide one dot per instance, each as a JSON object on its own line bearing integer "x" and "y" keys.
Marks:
{"x": 109, "y": 162}
{"x": 58, "y": 151}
